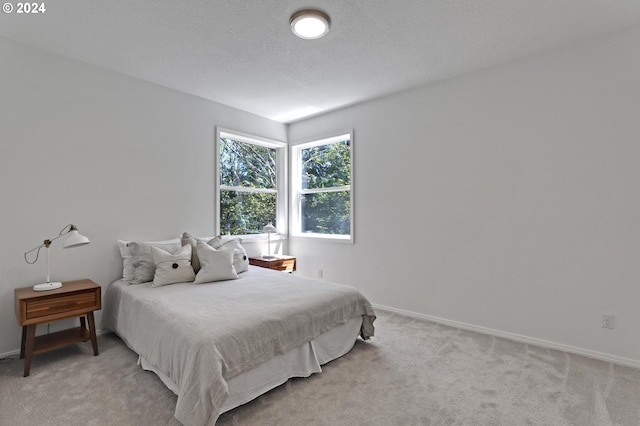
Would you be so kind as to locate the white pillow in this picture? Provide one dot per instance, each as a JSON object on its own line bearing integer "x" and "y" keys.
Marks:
{"x": 172, "y": 268}
{"x": 127, "y": 260}
{"x": 240, "y": 258}
{"x": 144, "y": 268}
{"x": 215, "y": 265}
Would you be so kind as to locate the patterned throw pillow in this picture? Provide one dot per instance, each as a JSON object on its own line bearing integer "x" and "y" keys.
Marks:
{"x": 172, "y": 268}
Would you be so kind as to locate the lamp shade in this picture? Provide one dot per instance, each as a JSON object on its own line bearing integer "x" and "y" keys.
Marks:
{"x": 269, "y": 229}
{"x": 75, "y": 239}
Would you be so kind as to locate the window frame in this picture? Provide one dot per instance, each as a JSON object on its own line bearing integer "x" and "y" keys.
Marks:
{"x": 281, "y": 190}
{"x": 296, "y": 190}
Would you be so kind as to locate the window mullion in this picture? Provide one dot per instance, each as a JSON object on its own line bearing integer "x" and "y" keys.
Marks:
{"x": 248, "y": 189}
{"x": 329, "y": 189}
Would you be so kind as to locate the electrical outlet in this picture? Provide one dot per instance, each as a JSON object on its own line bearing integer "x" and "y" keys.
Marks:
{"x": 608, "y": 321}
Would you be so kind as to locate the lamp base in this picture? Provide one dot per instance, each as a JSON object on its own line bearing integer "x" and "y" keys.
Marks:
{"x": 47, "y": 286}
{"x": 268, "y": 256}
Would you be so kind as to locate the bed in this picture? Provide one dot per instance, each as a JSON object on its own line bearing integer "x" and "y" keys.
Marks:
{"x": 219, "y": 345}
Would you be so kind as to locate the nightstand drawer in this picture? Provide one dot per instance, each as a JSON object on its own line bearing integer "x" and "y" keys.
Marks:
{"x": 64, "y": 303}
{"x": 284, "y": 265}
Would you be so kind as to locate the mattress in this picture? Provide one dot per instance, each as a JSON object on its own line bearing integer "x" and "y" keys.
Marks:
{"x": 203, "y": 338}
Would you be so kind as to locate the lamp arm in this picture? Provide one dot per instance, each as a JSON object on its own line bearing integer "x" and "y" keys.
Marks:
{"x": 46, "y": 243}
{"x": 37, "y": 254}
{"x": 71, "y": 228}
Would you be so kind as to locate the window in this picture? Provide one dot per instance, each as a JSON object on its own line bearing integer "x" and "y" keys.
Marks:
{"x": 251, "y": 184}
{"x": 322, "y": 193}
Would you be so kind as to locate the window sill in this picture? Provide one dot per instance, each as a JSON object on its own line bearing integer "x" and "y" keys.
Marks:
{"x": 255, "y": 238}
{"x": 324, "y": 238}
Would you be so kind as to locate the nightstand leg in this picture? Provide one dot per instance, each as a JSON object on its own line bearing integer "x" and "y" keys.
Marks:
{"x": 31, "y": 337}
{"x": 92, "y": 331}
{"x": 83, "y": 323}
{"x": 24, "y": 341}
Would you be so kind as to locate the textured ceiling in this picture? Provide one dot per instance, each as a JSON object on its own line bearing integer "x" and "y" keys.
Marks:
{"x": 242, "y": 53}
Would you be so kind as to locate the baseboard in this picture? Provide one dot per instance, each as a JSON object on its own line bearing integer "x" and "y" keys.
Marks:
{"x": 11, "y": 354}
{"x": 16, "y": 353}
{"x": 517, "y": 337}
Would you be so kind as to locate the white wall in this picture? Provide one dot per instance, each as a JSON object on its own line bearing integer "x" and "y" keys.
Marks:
{"x": 118, "y": 157}
{"x": 506, "y": 199}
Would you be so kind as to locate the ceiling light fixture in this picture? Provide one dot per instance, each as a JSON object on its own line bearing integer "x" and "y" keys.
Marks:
{"x": 310, "y": 24}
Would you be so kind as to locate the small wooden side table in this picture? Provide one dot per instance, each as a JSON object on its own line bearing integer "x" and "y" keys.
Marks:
{"x": 279, "y": 263}
{"x": 73, "y": 299}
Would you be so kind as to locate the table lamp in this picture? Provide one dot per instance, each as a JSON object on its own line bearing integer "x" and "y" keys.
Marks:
{"x": 73, "y": 239}
{"x": 269, "y": 229}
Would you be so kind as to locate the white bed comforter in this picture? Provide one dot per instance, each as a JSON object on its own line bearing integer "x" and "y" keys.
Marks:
{"x": 201, "y": 335}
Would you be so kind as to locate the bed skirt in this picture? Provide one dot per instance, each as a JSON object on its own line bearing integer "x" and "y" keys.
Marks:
{"x": 298, "y": 362}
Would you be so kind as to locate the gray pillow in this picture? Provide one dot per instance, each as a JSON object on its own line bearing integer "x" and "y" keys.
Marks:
{"x": 142, "y": 259}
{"x": 190, "y": 239}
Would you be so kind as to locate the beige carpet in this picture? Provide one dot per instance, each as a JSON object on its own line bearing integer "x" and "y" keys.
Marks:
{"x": 413, "y": 373}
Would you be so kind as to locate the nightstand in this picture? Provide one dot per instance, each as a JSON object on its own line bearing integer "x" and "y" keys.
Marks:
{"x": 278, "y": 263}
{"x": 73, "y": 299}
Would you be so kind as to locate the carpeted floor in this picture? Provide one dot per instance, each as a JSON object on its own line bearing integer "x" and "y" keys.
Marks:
{"x": 413, "y": 372}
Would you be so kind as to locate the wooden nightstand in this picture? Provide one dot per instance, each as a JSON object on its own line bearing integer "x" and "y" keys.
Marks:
{"x": 279, "y": 263}
{"x": 73, "y": 299}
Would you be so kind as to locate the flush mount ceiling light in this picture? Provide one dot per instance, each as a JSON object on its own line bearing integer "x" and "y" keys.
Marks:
{"x": 310, "y": 24}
